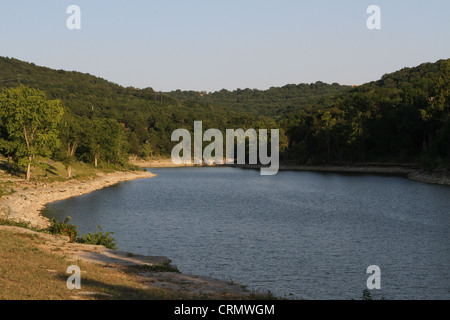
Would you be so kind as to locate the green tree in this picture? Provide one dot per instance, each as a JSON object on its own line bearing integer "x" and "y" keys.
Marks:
{"x": 147, "y": 150}
{"x": 134, "y": 146}
{"x": 31, "y": 124}
{"x": 70, "y": 136}
{"x": 104, "y": 137}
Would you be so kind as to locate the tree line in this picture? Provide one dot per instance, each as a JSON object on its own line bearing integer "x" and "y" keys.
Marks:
{"x": 403, "y": 117}
{"x": 35, "y": 129}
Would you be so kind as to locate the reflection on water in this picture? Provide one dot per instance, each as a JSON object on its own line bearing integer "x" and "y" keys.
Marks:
{"x": 311, "y": 235}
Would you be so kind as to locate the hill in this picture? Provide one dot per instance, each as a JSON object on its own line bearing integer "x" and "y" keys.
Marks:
{"x": 272, "y": 102}
{"x": 402, "y": 117}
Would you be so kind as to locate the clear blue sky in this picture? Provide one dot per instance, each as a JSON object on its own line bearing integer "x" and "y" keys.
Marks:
{"x": 214, "y": 44}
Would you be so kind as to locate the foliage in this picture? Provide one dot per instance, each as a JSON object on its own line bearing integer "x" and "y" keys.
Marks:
{"x": 272, "y": 102}
{"x": 21, "y": 224}
{"x": 63, "y": 228}
{"x": 30, "y": 121}
{"x": 402, "y": 117}
{"x": 99, "y": 238}
{"x": 366, "y": 295}
{"x": 70, "y": 135}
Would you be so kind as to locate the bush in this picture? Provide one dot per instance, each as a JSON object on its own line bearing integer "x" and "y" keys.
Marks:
{"x": 366, "y": 295}
{"x": 64, "y": 228}
{"x": 99, "y": 238}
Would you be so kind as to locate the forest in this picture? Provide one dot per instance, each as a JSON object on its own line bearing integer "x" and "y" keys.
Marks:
{"x": 404, "y": 117}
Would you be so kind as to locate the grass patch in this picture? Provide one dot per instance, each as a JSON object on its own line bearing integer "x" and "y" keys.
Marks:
{"x": 29, "y": 272}
{"x": 56, "y": 171}
{"x": 6, "y": 187}
{"x": 24, "y": 270}
{"x": 49, "y": 171}
{"x": 34, "y": 268}
{"x": 20, "y": 224}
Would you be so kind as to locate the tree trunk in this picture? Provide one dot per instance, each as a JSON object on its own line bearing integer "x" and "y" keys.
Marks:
{"x": 29, "y": 169}
{"x": 96, "y": 156}
{"x": 69, "y": 171}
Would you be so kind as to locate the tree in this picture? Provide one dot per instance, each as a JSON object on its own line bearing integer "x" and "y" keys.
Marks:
{"x": 31, "y": 124}
{"x": 70, "y": 135}
{"x": 134, "y": 146}
{"x": 147, "y": 150}
{"x": 104, "y": 138}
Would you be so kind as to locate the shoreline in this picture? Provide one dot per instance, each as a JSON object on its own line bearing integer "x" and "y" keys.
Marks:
{"x": 26, "y": 203}
{"x": 413, "y": 172}
{"x": 149, "y": 273}
{"x": 163, "y": 163}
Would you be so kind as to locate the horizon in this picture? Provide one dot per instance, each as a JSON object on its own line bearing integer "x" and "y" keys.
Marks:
{"x": 208, "y": 92}
{"x": 209, "y": 45}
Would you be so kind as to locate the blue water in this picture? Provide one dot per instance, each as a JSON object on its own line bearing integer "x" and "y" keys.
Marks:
{"x": 302, "y": 235}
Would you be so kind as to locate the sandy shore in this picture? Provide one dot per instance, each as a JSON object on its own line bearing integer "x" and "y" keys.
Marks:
{"x": 167, "y": 163}
{"x": 159, "y": 163}
{"x": 26, "y": 203}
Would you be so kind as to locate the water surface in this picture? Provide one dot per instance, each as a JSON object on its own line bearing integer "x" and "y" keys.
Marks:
{"x": 298, "y": 234}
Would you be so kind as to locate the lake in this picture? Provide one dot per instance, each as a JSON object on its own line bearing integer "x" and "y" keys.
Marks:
{"x": 301, "y": 235}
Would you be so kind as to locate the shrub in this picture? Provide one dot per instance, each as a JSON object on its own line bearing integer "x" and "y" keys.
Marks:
{"x": 64, "y": 228}
{"x": 99, "y": 238}
{"x": 366, "y": 295}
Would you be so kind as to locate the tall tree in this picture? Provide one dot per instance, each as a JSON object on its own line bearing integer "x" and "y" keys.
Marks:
{"x": 70, "y": 135}
{"x": 31, "y": 124}
{"x": 104, "y": 137}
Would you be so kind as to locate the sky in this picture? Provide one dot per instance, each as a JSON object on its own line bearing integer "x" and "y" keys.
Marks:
{"x": 209, "y": 45}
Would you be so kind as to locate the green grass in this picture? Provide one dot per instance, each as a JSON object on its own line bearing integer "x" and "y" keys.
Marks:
{"x": 56, "y": 171}
{"x": 51, "y": 171}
